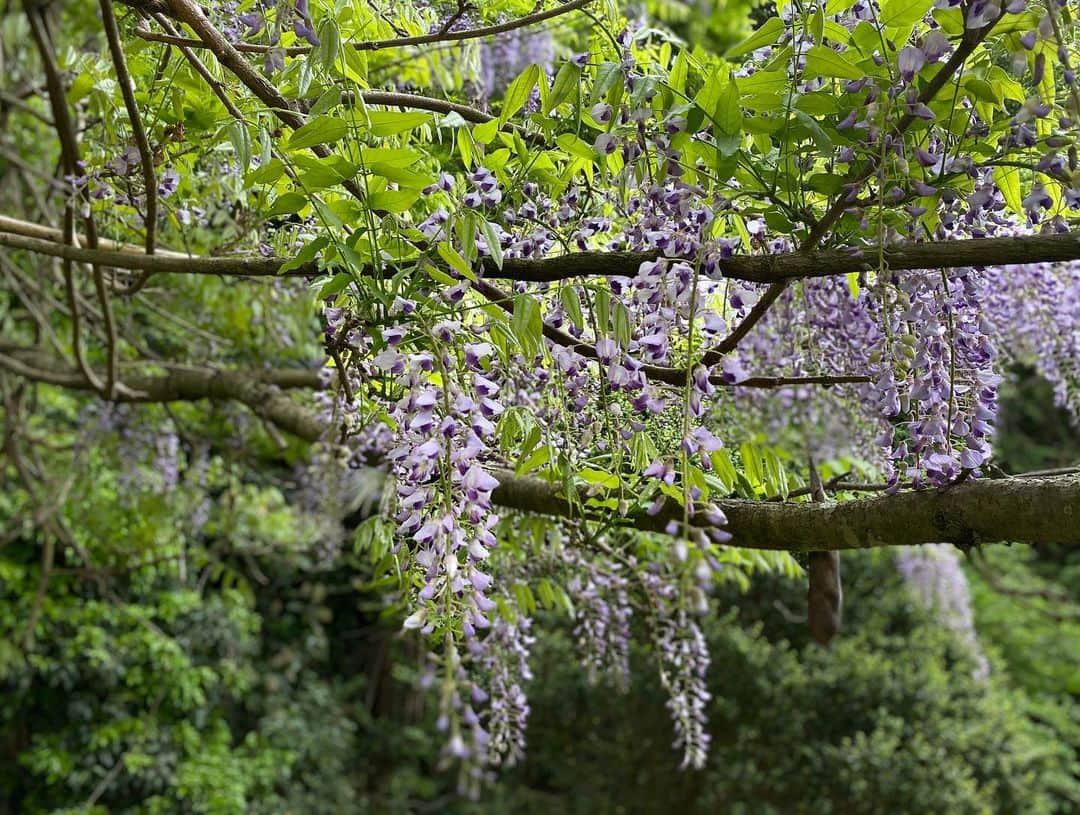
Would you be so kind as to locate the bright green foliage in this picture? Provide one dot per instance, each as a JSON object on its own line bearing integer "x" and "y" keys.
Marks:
{"x": 184, "y": 628}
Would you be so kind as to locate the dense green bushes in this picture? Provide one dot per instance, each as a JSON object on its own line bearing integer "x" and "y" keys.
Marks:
{"x": 271, "y": 701}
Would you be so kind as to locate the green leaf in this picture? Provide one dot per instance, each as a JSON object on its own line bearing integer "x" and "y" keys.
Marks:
{"x": 708, "y": 98}
{"x": 826, "y": 183}
{"x": 853, "y": 284}
{"x": 620, "y": 323}
{"x": 455, "y": 261}
{"x": 777, "y": 220}
{"x": 393, "y": 200}
{"x": 982, "y": 90}
{"x": 601, "y": 478}
{"x": 823, "y": 61}
{"x": 527, "y": 324}
{"x": 267, "y": 173}
{"x": 518, "y": 93}
{"x": 494, "y": 247}
{"x": 607, "y": 75}
{"x": 818, "y": 104}
{"x": 241, "y": 142}
{"x": 751, "y": 461}
{"x": 898, "y": 13}
{"x": 576, "y": 146}
{"x": 603, "y": 310}
{"x": 383, "y": 123}
{"x": 572, "y": 306}
{"x": 465, "y": 228}
{"x": 329, "y": 47}
{"x": 723, "y": 468}
{"x": 320, "y": 174}
{"x": 321, "y": 130}
{"x": 305, "y": 255}
{"x": 539, "y": 457}
{"x": 565, "y": 81}
{"x": 287, "y": 204}
{"x": 547, "y": 594}
{"x": 820, "y": 137}
{"x": 335, "y": 285}
{"x": 768, "y": 34}
{"x": 679, "y": 71}
{"x": 404, "y": 178}
{"x": 763, "y": 82}
{"x": 817, "y": 25}
{"x": 485, "y": 132}
{"x": 370, "y": 157}
{"x": 729, "y": 115}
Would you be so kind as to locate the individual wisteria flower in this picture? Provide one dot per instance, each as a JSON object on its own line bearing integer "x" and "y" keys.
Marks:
{"x": 605, "y": 144}
{"x": 910, "y": 62}
{"x": 981, "y": 13}
{"x": 302, "y": 25}
{"x": 1036, "y": 201}
{"x": 168, "y": 183}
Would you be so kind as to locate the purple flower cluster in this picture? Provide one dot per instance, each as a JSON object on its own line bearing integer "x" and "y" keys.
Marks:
{"x": 601, "y": 595}
{"x": 936, "y": 382}
{"x": 934, "y": 574}
{"x": 1035, "y": 315}
{"x": 504, "y": 656}
{"x": 684, "y": 665}
{"x": 502, "y": 59}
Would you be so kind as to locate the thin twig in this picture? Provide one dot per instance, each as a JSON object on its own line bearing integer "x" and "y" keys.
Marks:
{"x": 70, "y": 157}
{"x": 172, "y": 38}
{"x": 146, "y": 157}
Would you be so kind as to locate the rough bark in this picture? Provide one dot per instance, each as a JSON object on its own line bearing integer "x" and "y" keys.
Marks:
{"x": 752, "y": 268}
{"x": 1021, "y": 510}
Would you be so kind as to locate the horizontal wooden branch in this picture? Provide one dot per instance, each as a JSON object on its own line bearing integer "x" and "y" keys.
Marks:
{"x": 1022, "y": 510}
{"x": 1007, "y": 251}
{"x": 260, "y": 390}
{"x": 819, "y": 263}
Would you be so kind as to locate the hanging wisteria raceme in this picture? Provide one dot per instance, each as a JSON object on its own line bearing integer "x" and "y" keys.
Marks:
{"x": 936, "y": 381}
{"x": 504, "y": 656}
{"x": 505, "y": 57}
{"x": 603, "y": 616}
{"x": 684, "y": 663}
{"x": 934, "y": 574}
{"x": 1034, "y": 311}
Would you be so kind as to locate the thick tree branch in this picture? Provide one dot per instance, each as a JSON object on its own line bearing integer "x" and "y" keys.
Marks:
{"x": 1028, "y": 510}
{"x": 259, "y": 390}
{"x": 977, "y": 252}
